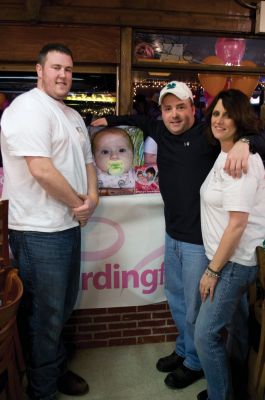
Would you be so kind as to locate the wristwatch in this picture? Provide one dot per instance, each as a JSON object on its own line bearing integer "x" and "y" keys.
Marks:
{"x": 246, "y": 140}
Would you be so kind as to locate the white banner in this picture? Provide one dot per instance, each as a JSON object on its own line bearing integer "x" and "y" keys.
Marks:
{"x": 123, "y": 252}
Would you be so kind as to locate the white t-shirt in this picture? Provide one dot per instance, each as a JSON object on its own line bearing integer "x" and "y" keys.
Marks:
{"x": 35, "y": 124}
{"x": 150, "y": 146}
{"x": 220, "y": 193}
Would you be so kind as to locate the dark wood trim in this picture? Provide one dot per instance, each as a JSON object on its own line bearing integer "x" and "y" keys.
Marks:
{"x": 214, "y": 16}
{"x": 33, "y": 9}
{"x": 162, "y": 66}
{"x": 125, "y": 87}
{"x": 81, "y": 68}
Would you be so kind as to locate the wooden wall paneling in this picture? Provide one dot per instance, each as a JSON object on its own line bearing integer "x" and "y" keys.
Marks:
{"x": 150, "y": 19}
{"x": 125, "y": 79}
{"x": 215, "y": 15}
{"x": 33, "y": 9}
{"x": 81, "y": 68}
{"x": 161, "y": 5}
{"x": 91, "y": 44}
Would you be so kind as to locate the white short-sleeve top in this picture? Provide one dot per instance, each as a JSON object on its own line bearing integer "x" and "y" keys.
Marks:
{"x": 220, "y": 193}
{"x": 37, "y": 125}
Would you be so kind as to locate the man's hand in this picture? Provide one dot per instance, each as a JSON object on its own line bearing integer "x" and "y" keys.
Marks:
{"x": 237, "y": 160}
{"x": 84, "y": 212}
{"x": 99, "y": 122}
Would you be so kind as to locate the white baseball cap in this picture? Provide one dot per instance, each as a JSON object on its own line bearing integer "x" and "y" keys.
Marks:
{"x": 179, "y": 89}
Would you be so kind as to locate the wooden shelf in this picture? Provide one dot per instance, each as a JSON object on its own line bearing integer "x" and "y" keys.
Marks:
{"x": 225, "y": 69}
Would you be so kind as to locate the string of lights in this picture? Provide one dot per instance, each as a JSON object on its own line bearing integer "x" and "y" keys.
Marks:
{"x": 98, "y": 112}
{"x": 159, "y": 84}
{"x": 94, "y": 97}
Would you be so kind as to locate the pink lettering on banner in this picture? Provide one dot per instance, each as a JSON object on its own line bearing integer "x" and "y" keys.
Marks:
{"x": 115, "y": 278}
{"x": 150, "y": 257}
{"x": 145, "y": 261}
{"x": 108, "y": 252}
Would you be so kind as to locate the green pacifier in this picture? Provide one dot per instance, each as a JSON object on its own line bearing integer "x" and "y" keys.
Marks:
{"x": 115, "y": 167}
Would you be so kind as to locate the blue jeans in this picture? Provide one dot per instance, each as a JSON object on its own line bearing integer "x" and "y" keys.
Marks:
{"x": 229, "y": 309}
{"x": 49, "y": 266}
{"x": 185, "y": 264}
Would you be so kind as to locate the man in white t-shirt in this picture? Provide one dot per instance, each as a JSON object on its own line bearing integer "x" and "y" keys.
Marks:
{"x": 51, "y": 184}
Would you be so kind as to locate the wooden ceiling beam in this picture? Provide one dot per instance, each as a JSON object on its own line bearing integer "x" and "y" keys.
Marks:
{"x": 33, "y": 9}
{"x": 149, "y": 19}
{"x": 214, "y": 16}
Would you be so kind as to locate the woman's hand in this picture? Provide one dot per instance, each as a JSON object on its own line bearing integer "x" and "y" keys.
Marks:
{"x": 207, "y": 286}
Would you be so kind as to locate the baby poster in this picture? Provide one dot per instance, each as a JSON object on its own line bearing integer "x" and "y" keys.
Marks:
{"x": 118, "y": 153}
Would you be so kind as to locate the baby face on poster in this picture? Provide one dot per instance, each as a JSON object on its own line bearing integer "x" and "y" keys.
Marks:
{"x": 113, "y": 151}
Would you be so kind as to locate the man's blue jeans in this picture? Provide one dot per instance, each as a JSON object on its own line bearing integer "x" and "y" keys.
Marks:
{"x": 185, "y": 264}
{"x": 229, "y": 309}
{"x": 49, "y": 266}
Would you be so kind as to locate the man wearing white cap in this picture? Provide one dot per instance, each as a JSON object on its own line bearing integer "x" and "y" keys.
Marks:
{"x": 184, "y": 159}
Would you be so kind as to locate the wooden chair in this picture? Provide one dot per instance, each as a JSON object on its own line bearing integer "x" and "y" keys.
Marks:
{"x": 257, "y": 304}
{"x": 11, "y": 289}
{"x": 4, "y": 247}
{"x": 8, "y": 362}
{"x": 11, "y": 356}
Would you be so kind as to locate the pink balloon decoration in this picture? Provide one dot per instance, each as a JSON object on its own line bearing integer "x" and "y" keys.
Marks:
{"x": 230, "y": 50}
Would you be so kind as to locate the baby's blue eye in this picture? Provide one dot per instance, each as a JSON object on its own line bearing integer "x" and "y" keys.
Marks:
{"x": 122, "y": 150}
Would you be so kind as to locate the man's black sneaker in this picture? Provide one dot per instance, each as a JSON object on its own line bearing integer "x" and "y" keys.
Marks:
{"x": 202, "y": 395}
{"x": 169, "y": 363}
{"x": 183, "y": 377}
{"x": 72, "y": 384}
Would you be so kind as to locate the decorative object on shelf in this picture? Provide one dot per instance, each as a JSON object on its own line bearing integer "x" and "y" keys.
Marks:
{"x": 245, "y": 83}
{"x": 177, "y": 49}
{"x": 212, "y": 83}
{"x": 230, "y": 50}
{"x": 144, "y": 50}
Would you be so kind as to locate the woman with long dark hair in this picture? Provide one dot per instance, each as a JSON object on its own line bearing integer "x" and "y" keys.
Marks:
{"x": 233, "y": 224}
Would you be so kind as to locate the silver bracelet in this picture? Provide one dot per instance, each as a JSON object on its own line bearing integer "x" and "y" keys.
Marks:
{"x": 211, "y": 273}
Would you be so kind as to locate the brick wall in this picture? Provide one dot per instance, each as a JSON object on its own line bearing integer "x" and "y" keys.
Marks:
{"x": 120, "y": 326}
